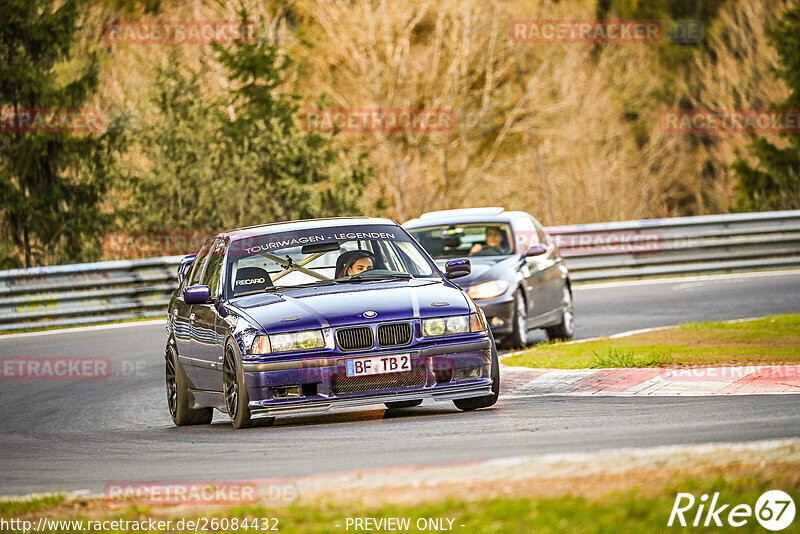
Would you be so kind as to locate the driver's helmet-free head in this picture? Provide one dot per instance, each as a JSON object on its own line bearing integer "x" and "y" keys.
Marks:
{"x": 347, "y": 259}
{"x": 495, "y": 232}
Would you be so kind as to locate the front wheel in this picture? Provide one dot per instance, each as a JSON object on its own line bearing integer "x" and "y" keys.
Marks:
{"x": 475, "y": 403}
{"x": 566, "y": 328}
{"x": 235, "y": 390}
{"x": 519, "y": 335}
{"x": 179, "y": 400}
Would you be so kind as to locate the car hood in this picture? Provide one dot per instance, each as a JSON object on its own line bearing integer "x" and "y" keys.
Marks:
{"x": 341, "y": 304}
{"x": 486, "y": 268}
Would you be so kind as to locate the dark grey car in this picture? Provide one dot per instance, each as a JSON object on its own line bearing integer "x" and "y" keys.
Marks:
{"x": 518, "y": 277}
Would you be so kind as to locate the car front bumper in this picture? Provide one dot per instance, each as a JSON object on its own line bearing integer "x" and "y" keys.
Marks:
{"x": 499, "y": 313}
{"x": 445, "y": 371}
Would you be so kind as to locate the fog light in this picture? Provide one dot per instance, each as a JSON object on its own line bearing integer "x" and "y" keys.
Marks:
{"x": 496, "y": 321}
{"x": 468, "y": 373}
{"x": 285, "y": 392}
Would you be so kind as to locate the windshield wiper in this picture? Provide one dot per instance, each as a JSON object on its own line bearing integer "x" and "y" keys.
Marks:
{"x": 369, "y": 278}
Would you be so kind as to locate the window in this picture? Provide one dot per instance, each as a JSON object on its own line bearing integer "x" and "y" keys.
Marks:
{"x": 198, "y": 263}
{"x": 210, "y": 277}
{"x": 317, "y": 256}
{"x": 540, "y": 231}
{"x": 461, "y": 240}
{"x": 526, "y": 234}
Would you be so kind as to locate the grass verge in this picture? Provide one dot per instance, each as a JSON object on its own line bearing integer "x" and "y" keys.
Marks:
{"x": 643, "y": 506}
{"x": 772, "y": 340}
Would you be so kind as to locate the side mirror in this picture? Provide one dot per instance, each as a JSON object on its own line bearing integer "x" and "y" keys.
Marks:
{"x": 536, "y": 250}
{"x": 186, "y": 262}
{"x": 457, "y": 268}
{"x": 197, "y": 294}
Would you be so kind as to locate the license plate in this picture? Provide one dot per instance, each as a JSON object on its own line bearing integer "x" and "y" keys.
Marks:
{"x": 378, "y": 365}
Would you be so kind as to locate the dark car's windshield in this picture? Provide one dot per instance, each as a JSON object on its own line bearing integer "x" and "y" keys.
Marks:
{"x": 318, "y": 256}
{"x": 460, "y": 240}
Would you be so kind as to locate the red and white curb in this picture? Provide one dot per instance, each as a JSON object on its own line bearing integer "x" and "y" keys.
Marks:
{"x": 744, "y": 380}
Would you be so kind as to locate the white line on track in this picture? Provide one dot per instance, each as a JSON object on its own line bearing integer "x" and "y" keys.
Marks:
{"x": 85, "y": 328}
{"x": 682, "y": 279}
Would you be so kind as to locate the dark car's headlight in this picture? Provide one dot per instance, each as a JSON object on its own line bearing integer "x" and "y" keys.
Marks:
{"x": 488, "y": 290}
{"x": 289, "y": 341}
{"x": 455, "y": 324}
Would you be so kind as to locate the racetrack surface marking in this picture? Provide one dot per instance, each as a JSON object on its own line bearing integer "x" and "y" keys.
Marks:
{"x": 682, "y": 279}
{"x": 744, "y": 380}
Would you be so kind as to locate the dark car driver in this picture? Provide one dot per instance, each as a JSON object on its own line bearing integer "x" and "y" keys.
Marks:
{"x": 494, "y": 244}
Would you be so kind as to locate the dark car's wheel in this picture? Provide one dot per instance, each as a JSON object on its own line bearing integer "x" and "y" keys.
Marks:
{"x": 179, "y": 399}
{"x": 475, "y": 403}
{"x": 519, "y": 335}
{"x": 397, "y": 405}
{"x": 235, "y": 391}
{"x": 566, "y": 328}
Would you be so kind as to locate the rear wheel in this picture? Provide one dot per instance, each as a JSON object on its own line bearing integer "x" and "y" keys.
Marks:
{"x": 179, "y": 399}
{"x": 397, "y": 405}
{"x": 476, "y": 403}
{"x": 566, "y": 328}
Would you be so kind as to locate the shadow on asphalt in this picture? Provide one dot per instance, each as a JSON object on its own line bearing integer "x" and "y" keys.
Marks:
{"x": 221, "y": 423}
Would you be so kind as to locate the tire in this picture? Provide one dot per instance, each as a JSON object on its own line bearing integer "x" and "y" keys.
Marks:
{"x": 566, "y": 328}
{"x": 518, "y": 339}
{"x": 397, "y": 405}
{"x": 179, "y": 399}
{"x": 235, "y": 391}
{"x": 475, "y": 403}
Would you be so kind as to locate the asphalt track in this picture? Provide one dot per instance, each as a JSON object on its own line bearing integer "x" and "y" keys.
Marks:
{"x": 74, "y": 435}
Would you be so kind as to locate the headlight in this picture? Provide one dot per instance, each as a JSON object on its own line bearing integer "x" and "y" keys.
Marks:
{"x": 455, "y": 324}
{"x": 488, "y": 290}
{"x": 291, "y": 341}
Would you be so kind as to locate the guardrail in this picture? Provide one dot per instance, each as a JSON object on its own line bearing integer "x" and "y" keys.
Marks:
{"x": 69, "y": 295}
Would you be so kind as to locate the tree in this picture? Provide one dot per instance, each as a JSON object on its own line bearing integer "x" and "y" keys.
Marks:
{"x": 272, "y": 169}
{"x": 175, "y": 190}
{"x": 214, "y": 163}
{"x": 774, "y": 183}
{"x": 51, "y": 182}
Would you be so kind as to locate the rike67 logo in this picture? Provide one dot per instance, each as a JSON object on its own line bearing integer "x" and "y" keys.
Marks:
{"x": 774, "y": 510}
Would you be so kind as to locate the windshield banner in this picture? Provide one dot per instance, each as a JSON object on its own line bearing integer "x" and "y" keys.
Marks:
{"x": 271, "y": 242}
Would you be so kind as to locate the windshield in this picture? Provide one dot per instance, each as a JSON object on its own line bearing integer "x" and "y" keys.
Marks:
{"x": 345, "y": 254}
{"x": 462, "y": 240}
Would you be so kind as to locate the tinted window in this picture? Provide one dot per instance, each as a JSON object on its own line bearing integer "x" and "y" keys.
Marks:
{"x": 210, "y": 277}
{"x": 460, "y": 240}
{"x": 199, "y": 261}
{"x": 540, "y": 231}
{"x": 526, "y": 234}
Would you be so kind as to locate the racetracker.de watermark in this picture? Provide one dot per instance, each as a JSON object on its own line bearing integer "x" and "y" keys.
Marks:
{"x": 611, "y": 242}
{"x": 170, "y": 493}
{"x": 143, "y": 244}
{"x": 51, "y": 120}
{"x": 605, "y": 31}
{"x": 759, "y": 372}
{"x": 378, "y": 120}
{"x": 55, "y": 368}
{"x": 181, "y": 32}
{"x": 737, "y": 121}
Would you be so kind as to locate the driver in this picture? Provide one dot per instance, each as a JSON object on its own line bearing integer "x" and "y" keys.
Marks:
{"x": 493, "y": 243}
{"x": 360, "y": 265}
